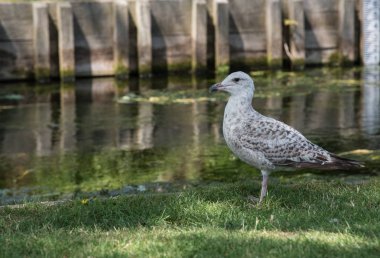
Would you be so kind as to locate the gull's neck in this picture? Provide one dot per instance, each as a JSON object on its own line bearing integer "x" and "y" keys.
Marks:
{"x": 241, "y": 104}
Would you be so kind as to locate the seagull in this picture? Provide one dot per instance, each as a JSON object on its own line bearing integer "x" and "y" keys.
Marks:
{"x": 264, "y": 142}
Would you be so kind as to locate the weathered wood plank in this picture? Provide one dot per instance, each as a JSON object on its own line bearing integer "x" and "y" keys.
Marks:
{"x": 297, "y": 33}
{"x": 66, "y": 49}
{"x": 144, "y": 36}
{"x": 121, "y": 39}
{"x": 247, "y": 42}
{"x": 93, "y": 34}
{"x": 221, "y": 23}
{"x": 320, "y": 5}
{"x": 347, "y": 39}
{"x": 322, "y": 38}
{"x": 274, "y": 33}
{"x": 321, "y": 20}
{"x": 320, "y": 56}
{"x": 199, "y": 35}
{"x": 41, "y": 42}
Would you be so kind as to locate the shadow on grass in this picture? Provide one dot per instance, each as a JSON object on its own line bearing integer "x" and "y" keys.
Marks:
{"x": 319, "y": 206}
{"x": 244, "y": 244}
{"x": 205, "y": 242}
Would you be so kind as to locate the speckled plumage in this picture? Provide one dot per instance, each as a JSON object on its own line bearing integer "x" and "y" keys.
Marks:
{"x": 264, "y": 142}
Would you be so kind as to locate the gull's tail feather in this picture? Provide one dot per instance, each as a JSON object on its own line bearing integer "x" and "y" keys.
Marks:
{"x": 321, "y": 162}
{"x": 344, "y": 163}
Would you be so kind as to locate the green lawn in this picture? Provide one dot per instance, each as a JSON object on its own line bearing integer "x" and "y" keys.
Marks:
{"x": 300, "y": 219}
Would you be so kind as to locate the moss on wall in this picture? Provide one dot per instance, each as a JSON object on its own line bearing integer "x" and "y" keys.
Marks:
{"x": 42, "y": 74}
{"x": 67, "y": 75}
{"x": 337, "y": 59}
{"x": 121, "y": 71}
{"x": 298, "y": 63}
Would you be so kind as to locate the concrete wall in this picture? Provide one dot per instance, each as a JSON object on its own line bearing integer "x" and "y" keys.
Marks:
{"x": 171, "y": 34}
{"x": 121, "y": 37}
{"x": 16, "y": 41}
{"x": 93, "y": 40}
{"x": 321, "y": 30}
{"x": 247, "y": 32}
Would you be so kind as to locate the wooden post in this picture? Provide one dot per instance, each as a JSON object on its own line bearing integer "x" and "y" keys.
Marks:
{"x": 222, "y": 46}
{"x": 144, "y": 37}
{"x": 199, "y": 35}
{"x": 41, "y": 42}
{"x": 347, "y": 31}
{"x": 121, "y": 40}
{"x": 274, "y": 33}
{"x": 297, "y": 33}
{"x": 66, "y": 49}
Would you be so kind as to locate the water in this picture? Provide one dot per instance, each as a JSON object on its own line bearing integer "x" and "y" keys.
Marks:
{"x": 108, "y": 137}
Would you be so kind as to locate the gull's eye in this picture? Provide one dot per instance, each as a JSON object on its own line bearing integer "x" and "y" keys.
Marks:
{"x": 236, "y": 79}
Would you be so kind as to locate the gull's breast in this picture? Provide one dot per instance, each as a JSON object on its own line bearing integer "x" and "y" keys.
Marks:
{"x": 232, "y": 131}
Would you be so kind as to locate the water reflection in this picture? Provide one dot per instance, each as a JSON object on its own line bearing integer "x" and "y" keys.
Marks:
{"x": 78, "y": 136}
{"x": 371, "y": 101}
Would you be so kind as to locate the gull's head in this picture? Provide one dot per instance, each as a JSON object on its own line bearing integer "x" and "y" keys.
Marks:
{"x": 236, "y": 83}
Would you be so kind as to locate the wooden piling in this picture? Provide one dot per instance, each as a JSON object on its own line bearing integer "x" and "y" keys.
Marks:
{"x": 222, "y": 45}
{"x": 66, "y": 48}
{"x": 144, "y": 37}
{"x": 121, "y": 40}
{"x": 346, "y": 32}
{"x": 274, "y": 33}
{"x": 199, "y": 35}
{"x": 41, "y": 42}
{"x": 297, "y": 34}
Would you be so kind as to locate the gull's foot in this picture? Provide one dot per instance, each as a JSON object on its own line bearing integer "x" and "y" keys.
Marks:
{"x": 253, "y": 199}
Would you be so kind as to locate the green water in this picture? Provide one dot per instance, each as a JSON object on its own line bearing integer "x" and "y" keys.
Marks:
{"x": 106, "y": 137}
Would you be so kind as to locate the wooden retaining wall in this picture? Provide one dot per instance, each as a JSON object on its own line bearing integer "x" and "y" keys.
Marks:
{"x": 44, "y": 40}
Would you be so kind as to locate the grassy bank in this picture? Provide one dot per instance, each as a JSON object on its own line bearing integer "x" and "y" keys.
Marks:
{"x": 299, "y": 219}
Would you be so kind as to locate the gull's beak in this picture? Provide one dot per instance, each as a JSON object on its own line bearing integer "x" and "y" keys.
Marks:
{"x": 215, "y": 87}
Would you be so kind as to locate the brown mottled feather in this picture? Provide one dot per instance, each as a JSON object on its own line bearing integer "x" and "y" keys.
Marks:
{"x": 286, "y": 147}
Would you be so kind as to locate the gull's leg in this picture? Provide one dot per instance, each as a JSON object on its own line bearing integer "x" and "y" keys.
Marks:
{"x": 264, "y": 185}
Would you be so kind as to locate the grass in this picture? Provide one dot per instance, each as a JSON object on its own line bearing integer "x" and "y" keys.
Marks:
{"x": 299, "y": 219}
